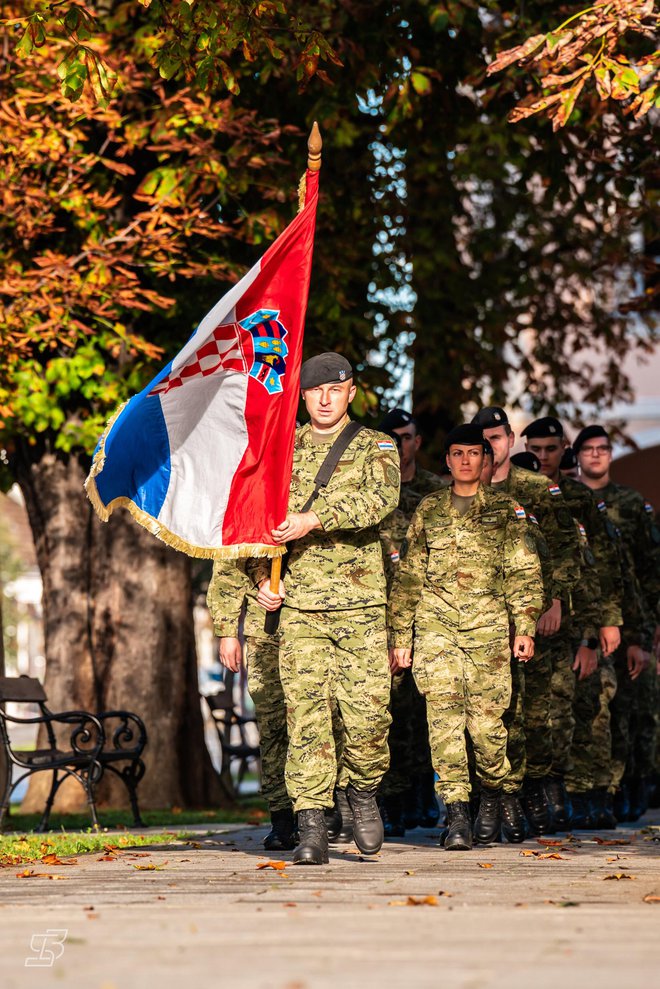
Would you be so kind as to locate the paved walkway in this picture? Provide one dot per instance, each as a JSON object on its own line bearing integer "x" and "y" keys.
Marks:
{"x": 204, "y": 914}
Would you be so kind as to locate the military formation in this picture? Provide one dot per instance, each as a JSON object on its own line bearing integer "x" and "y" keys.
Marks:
{"x": 487, "y": 634}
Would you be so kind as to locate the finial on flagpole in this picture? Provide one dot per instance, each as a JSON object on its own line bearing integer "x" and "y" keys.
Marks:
{"x": 314, "y": 146}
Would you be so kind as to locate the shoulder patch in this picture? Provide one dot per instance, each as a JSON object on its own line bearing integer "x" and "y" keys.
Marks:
{"x": 394, "y": 557}
{"x": 601, "y": 506}
{"x": 386, "y": 445}
{"x": 583, "y": 531}
{"x": 532, "y": 518}
{"x": 554, "y": 489}
{"x": 520, "y": 512}
{"x": 648, "y": 507}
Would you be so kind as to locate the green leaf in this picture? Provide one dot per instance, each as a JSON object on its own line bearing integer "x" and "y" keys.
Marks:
{"x": 420, "y": 83}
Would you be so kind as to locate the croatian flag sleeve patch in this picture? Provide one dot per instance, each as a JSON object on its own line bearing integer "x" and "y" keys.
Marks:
{"x": 520, "y": 512}
{"x": 554, "y": 489}
{"x": 386, "y": 445}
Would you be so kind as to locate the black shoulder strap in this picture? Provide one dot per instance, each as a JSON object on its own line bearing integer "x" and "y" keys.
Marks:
{"x": 322, "y": 479}
{"x": 329, "y": 465}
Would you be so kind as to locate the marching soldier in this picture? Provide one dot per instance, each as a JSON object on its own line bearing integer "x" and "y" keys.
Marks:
{"x": 333, "y": 642}
{"x": 545, "y": 502}
{"x": 407, "y": 795}
{"x": 468, "y": 569}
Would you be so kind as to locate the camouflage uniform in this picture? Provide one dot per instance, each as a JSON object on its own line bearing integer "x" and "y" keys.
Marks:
{"x": 410, "y": 753}
{"x": 633, "y": 708}
{"x": 545, "y": 502}
{"x": 333, "y": 641}
{"x": 228, "y": 589}
{"x": 462, "y": 581}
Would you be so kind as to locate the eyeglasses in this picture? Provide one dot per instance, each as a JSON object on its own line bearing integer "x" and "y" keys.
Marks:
{"x": 596, "y": 451}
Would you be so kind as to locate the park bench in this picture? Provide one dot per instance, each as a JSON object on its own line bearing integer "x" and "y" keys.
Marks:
{"x": 111, "y": 740}
{"x": 232, "y": 729}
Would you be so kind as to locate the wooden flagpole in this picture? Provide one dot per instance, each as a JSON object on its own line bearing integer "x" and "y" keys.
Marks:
{"x": 314, "y": 147}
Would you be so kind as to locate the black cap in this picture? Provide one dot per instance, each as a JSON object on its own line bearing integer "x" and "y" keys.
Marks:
{"x": 589, "y": 433}
{"x": 467, "y": 434}
{"x": 491, "y": 417}
{"x": 325, "y": 369}
{"x": 545, "y": 428}
{"x": 527, "y": 461}
{"x": 569, "y": 460}
{"x": 396, "y": 419}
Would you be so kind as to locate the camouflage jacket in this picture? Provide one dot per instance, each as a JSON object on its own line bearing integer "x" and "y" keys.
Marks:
{"x": 393, "y": 529}
{"x": 466, "y": 572}
{"x": 229, "y": 590}
{"x": 544, "y": 500}
{"x": 341, "y": 565}
{"x": 601, "y": 540}
{"x": 634, "y": 518}
{"x": 544, "y": 558}
{"x": 586, "y": 599}
{"x": 423, "y": 483}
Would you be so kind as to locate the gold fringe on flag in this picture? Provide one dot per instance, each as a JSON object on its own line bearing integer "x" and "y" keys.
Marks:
{"x": 156, "y": 528}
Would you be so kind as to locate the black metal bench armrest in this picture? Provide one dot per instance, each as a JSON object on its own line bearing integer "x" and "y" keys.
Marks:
{"x": 123, "y": 737}
{"x": 87, "y": 726}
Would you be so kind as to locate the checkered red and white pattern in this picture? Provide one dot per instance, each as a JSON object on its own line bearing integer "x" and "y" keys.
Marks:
{"x": 225, "y": 351}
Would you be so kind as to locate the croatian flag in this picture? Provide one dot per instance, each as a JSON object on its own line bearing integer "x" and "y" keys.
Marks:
{"x": 202, "y": 456}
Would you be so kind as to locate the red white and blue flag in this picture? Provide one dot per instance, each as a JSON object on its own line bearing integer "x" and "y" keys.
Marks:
{"x": 202, "y": 456}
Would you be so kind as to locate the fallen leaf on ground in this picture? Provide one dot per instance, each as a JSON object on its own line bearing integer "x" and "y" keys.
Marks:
{"x": 415, "y": 901}
{"x": 290, "y": 904}
{"x": 651, "y": 898}
{"x": 31, "y": 874}
{"x": 441, "y": 892}
{"x": 549, "y": 841}
{"x": 278, "y": 866}
{"x": 409, "y": 872}
{"x": 619, "y": 875}
{"x": 550, "y": 855}
{"x": 485, "y": 865}
{"x": 612, "y": 841}
{"x": 53, "y": 859}
{"x": 149, "y": 868}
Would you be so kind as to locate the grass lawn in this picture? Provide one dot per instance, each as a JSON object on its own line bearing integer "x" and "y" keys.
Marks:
{"x": 58, "y": 849}
{"x": 251, "y": 810}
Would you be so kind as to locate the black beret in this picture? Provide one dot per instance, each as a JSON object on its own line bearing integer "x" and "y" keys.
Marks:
{"x": 569, "y": 460}
{"x": 491, "y": 417}
{"x": 589, "y": 433}
{"x": 544, "y": 428}
{"x": 527, "y": 461}
{"x": 466, "y": 434}
{"x": 396, "y": 419}
{"x": 325, "y": 369}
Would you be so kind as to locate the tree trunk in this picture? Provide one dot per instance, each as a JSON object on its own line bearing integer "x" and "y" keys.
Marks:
{"x": 118, "y": 629}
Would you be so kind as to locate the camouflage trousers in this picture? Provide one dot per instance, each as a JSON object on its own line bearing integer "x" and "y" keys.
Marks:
{"x": 622, "y": 718}
{"x": 591, "y": 753}
{"x": 645, "y": 722}
{"x": 408, "y": 740}
{"x": 262, "y": 657}
{"x": 328, "y": 659}
{"x": 537, "y": 700}
{"x": 514, "y": 722}
{"x": 467, "y": 686}
{"x": 562, "y": 697}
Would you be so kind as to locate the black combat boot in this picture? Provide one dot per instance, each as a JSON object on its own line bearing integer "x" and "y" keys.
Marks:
{"x": 489, "y": 819}
{"x": 345, "y": 836}
{"x": 622, "y": 803}
{"x": 430, "y": 811}
{"x": 458, "y": 837}
{"x": 281, "y": 837}
{"x": 535, "y": 805}
{"x": 313, "y": 844}
{"x": 368, "y": 831}
{"x": 602, "y": 809}
{"x": 514, "y": 824}
{"x": 332, "y": 822}
{"x": 391, "y": 811}
{"x": 559, "y": 802}
{"x": 583, "y": 819}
